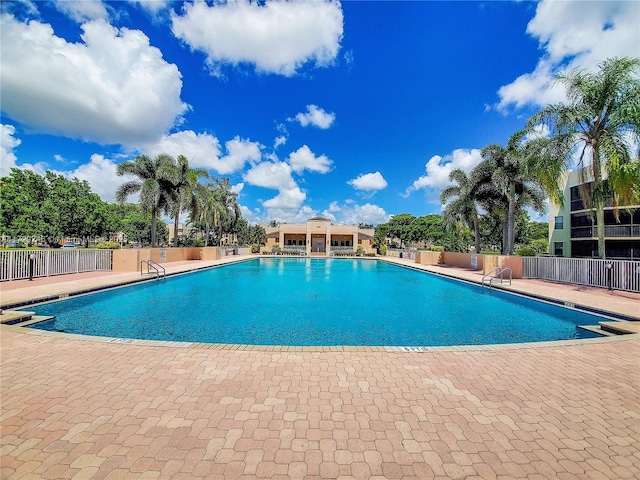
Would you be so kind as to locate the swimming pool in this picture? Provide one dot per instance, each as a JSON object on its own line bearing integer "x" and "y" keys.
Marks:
{"x": 306, "y": 301}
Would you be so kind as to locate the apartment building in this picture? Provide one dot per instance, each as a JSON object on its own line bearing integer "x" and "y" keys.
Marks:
{"x": 573, "y": 231}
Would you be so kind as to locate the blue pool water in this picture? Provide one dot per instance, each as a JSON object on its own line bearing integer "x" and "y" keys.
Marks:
{"x": 302, "y": 301}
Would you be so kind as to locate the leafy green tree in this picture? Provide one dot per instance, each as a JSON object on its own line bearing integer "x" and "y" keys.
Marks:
{"x": 601, "y": 122}
{"x": 538, "y": 231}
{"x": 50, "y": 207}
{"x": 428, "y": 230}
{"x": 398, "y": 226}
{"x": 380, "y": 236}
{"x": 79, "y": 212}
{"x": 157, "y": 192}
{"x": 26, "y": 208}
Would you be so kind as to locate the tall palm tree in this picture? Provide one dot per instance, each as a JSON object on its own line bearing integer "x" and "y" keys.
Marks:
{"x": 464, "y": 206}
{"x": 218, "y": 208}
{"x": 601, "y": 122}
{"x": 509, "y": 175}
{"x": 185, "y": 182}
{"x": 154, "y": 185}
{"x": 228, "y": 211}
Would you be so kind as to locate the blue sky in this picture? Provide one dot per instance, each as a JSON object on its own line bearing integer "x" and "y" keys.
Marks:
{"x": 355, "y": 111}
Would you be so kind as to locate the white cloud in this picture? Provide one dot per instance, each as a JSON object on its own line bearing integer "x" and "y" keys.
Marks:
{"x": 277, "y": 36}
{"x": 334, "y": 207}
{"x": 8, "y": 158}
{"x": 286, "y": 199}
{"x": 304, "y": 159}
{"x": 102, "y": 177}
{"x": 276, "y": 176}
{"x": 353, "y": 214}
{"x": 368, "y": 182}
{"x": 438, "y": 169}
{"x": 315, "y": 116}
{"x": 111, "y": 88}
{"x": 237, "y": 188}
{"x": 82, "y": 11}
{"x": 8, "y": 142}
{"x": 572, "y": 34}
{"x": 280, "y": 140}
{"x": 239, "y": 152}
{"x": 203, "y": 150}
{"x": 154, "y": 7}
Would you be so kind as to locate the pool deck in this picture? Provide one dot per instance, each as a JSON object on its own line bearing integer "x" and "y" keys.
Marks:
{"x": 87, "y": 407}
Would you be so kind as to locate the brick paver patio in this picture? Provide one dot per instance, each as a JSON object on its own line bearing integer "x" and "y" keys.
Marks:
{"x": 77, "y": 407}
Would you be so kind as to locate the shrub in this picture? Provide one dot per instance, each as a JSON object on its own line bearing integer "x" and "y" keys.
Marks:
{"x": 108, "y": 245}
{"x": 437, "y": 248}
{"x": 255, "y": 248}
{"x": 382, "y": 249}
{"x": 360, "y": 250}
{"x": 540, "y": 245}
{"x": 526, "y": 252}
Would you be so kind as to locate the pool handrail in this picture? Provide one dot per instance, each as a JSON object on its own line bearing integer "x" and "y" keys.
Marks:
{"x": 153, "y": 265}
{"x": 499, "y": 273}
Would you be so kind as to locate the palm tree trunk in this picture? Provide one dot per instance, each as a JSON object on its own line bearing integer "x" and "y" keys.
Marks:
{"x": 511, "y": 220}
{"x": 476, "y": 228}
{"x": 175, "y": 230}
{"x": 153, "y": 227}
{"x": 600, "y": 224}
{"x": 505, "y": 236}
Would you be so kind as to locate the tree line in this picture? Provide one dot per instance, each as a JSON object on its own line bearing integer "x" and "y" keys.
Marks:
{"x": 48, "y": 208}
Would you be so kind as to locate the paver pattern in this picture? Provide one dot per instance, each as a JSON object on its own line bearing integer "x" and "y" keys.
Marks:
{"x": 76, "y": 408}
{"x": 83, "y": 407}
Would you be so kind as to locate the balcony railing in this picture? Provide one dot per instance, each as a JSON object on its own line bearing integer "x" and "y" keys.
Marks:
{"x": 610, "y": 231}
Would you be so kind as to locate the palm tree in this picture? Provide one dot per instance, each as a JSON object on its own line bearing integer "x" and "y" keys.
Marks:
{"x": 601, "y": 121}
{"x": 228, "y": 211}
{"x": 464, "y": 206}
{"x": 154, "y": 185}
{"x": 218, "y": 208}
{"x": 185, "y": 182}
{"x": 508, "y": 175}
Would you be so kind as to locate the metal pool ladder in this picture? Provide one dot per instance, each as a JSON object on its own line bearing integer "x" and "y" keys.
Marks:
{"x": 155, "y": 266}
{"x": 499, "y": 273}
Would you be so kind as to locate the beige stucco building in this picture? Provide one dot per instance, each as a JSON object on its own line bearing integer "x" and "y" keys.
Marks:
{"x": 318, "y": 237}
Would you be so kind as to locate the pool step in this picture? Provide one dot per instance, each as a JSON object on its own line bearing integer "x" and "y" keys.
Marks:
{"x": 620, "y": 327}
{"x": 15, "y": 317}
{"x": 11, "y": 317}
{"x": 36, "y": 319}
{"x": 598, "y": 330}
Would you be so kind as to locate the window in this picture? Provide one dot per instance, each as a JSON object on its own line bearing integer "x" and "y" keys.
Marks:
{"x": 557, "y": 249}
{"x": 559, "y": 223}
